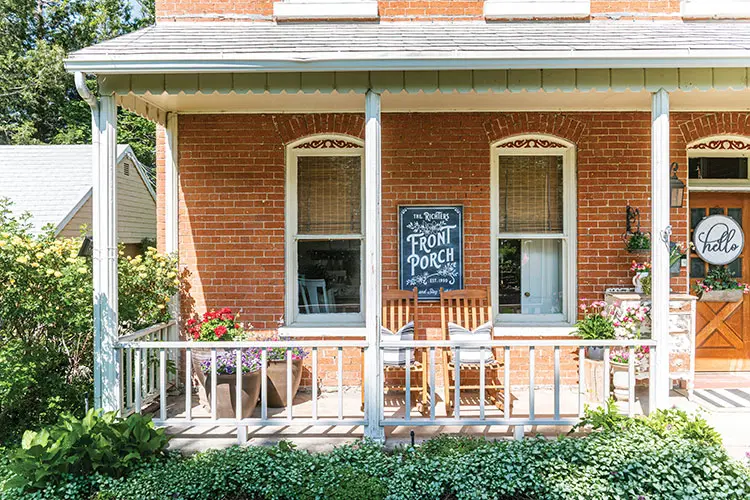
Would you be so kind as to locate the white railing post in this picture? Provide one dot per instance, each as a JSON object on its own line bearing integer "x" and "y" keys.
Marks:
{"x": 373, "y": 278}
{"x": 106, "y": 366}
{"x": 660, "y": 231}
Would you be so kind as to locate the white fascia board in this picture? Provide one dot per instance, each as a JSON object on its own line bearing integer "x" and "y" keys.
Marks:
{"x": 536, "y": 9}
{"x": 715, "y": 9}
{"x": 325, "y": 10}
{"x": 398, "y": 61}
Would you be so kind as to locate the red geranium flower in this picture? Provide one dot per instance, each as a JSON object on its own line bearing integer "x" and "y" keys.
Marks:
{"x": 220, "y": 330}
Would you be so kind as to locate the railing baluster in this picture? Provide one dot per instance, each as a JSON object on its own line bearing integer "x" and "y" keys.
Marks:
{"x": 407, "y": 384}
{"x": 531, "y": 382}
{"x": 651, "y": 379}
{"x": 129, "y": 379}
{"x": 432, "y": 384}
{"x": 481, "y": 383}
{"x": 457, "y": 383}
{"x": 264, "y": 383}
{"x": 238, "y": 387}
{"x": 120, "y": 380}
{"x": 213, "y": 384}
{"x": 631, "y": 381}
{"x": 188, "y": 384}
{"x": 340, "y": 379}
{"x": 606, "y": 374}
{"x": 138, "y": 381}
{"x": 289, "y": 402}
{"x": 506, "y": 382}
{"x": 162, "y": 384}
{"x": 557, "y": 382}
{"x": 581, "y": 379}
{"x": 315, "y": 383}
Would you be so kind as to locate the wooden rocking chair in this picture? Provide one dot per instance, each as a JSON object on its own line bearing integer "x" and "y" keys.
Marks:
{"x": 399, "y": 308}
{"x": 470, "y": 308}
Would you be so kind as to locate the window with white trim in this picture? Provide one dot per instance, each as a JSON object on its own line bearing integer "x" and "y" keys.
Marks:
{"x": 536, "y": 9}
{"x": 324, "y": 251}
{"x": 326, "y": 9}
{"x": 533, "y": 218}
{"x": 715, "y": 9}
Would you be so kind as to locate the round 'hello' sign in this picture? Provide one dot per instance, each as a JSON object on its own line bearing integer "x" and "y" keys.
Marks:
{"x": 718, "y": 239}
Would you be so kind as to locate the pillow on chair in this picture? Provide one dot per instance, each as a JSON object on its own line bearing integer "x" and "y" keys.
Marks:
{"x": 396, "y": 357}
{"x": 472, "y": 355}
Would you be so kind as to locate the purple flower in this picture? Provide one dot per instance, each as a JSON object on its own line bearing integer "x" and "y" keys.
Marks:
{"x": 226, "y": 362}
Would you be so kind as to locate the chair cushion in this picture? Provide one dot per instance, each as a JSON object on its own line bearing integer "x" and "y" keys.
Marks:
{"x": 472, "y": 355}
{"x": 395, "y": 357}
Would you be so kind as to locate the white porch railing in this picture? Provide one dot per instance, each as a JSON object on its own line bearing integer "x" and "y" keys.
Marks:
{"x": 147, "y": 382}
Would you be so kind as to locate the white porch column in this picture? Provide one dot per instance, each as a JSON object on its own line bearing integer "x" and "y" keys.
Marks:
{"x": 171, "y": 185}
{"x": 373, "y": 263}
{"x": 660, "y": 231}
{"x": 106, "y": 370}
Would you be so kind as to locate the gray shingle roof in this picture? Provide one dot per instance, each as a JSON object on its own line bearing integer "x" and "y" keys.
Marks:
{"x": 46, "y": 181}
{"x": 201, "y": 42}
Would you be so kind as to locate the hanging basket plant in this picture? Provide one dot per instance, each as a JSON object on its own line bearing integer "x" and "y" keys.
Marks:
{"x": 638, "y": 242}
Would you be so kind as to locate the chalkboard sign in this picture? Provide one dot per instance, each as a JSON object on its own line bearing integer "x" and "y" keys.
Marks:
{"x": 431, "y": 249}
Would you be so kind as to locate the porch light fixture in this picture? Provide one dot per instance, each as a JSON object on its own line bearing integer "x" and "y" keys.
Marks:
{"x": 676, "y": 188}
{"x": 87, "y": 247}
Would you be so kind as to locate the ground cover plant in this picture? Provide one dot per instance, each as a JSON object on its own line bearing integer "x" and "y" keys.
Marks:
{"x": 667, "y": 455}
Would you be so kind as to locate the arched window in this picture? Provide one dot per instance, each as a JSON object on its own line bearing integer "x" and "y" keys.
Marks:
{"x": 324, "y": 231}
{"x": 533, "y": 217}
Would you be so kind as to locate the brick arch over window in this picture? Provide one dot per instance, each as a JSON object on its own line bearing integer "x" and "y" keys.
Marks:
{"x": 699, "y": 127}
{"x": 551, "y": 124}
{"x": 291, "y": 128}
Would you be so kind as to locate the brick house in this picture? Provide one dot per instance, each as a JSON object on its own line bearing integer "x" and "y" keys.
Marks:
{"x": 292, "y": 133}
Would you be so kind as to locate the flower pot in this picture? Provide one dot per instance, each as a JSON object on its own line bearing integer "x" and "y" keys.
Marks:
{"x": 197, "y": 357}
{"x": 277, "y": 381}
{"x": 638, "y": 281}
{"x": 722, "y": 296}
{"x": 620, "y": 380}
{"x": 595, "y": 353}
{"x": 640, "y": 251}
{"x": 226, "y": 394}
{"x": 674, "y": 269}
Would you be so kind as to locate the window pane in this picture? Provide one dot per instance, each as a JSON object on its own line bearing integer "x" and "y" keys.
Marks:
{"x": 530, "y": 276}
{"x": 735, "y": 267}
{"x": 696, "y": 215}
{"x": 736, "y": 214}
{"x": 716, "y": 211}
{"x": 329, "y": 276}
{"x": 697, "y": 268}
{"x": 718, "y": 168}
{"x": 531, "y": 189}
{"x": 329, "y": 195}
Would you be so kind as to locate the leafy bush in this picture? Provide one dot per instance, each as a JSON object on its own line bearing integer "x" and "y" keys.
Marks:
{"x": 46, "y": 319}
{"x": 597, "y": 323}
{"x": 638, "y": 241}
{"x": 663, "y": 457}
{"x": 102, "y": 444}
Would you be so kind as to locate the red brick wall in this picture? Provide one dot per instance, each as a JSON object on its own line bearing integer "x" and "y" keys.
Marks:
{"x": 400, "y": 10}
{"x": 232, "y": 197}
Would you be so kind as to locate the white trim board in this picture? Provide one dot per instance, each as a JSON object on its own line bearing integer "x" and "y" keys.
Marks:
{"x": 322, "y": 9}
{"x": 536, "y": 9}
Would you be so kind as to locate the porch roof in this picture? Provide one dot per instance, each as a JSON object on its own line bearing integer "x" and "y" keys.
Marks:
{"x": 266, "y": 47}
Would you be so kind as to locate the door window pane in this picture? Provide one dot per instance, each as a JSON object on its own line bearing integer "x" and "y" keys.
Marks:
{"x": 735, "y": 267}
{"x": 697, "y": 268}
{"x": 329, "y": 276}
{"x": 531, "y": 194}
{"x": 716, "y": 211}
{"x": 530, "y": 276}
{"x": 329, "y": 195}
{"x": 696, "y": 215}
{"x": 736, "y": 214}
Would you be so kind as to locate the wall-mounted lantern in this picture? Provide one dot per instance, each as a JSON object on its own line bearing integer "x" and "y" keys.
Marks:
{"x": 676, "y": 188}
{"x": 87, "y": 247}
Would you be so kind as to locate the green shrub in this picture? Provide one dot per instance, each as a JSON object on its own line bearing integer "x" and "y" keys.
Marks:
{"x": 102, "y": 444}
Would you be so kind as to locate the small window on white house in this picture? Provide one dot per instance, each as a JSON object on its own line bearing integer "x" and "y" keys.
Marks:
{"x": 325, "y": 238}
{"x": 535, "y": 218}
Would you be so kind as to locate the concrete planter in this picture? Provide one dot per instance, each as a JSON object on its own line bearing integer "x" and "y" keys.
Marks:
{"x": 595, "y": 353}
{"x": 722, "y": 296}
{"x": 226, "y": 394}
{"x": 277, "y": 381}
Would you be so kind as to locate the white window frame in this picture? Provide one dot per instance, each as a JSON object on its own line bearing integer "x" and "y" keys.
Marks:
{"x": 292, "y": 316}
{"x": 568, "y": 237}
{"x": 536, "y": 9}
{"x": 718, "y": 184}
{"x": 715, "y": 9}
{"x": 325, "y": 9}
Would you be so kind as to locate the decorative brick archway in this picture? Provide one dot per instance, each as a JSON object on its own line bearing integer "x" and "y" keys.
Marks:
{"x": 554, "y": 124}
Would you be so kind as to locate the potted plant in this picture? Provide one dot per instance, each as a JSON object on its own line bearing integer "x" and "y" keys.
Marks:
{"x": 619, "y": 359}
{"x": 720, "y": 285}
{"x": 638, "y": 242}
{"x": 226, "y": 382}
{"x": 276, "y": 373}
{"x": 213, "y": 326}
{"x": 642, "y": 271}
{"x": 596, "y": 324}
{"x": 676, "y": 254}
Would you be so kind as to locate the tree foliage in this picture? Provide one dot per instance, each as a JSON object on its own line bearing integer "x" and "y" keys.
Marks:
{"x": 38, "y": 100}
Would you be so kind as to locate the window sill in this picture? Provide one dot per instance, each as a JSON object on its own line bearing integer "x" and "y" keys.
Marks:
{"x": 325, "y": 10}
{"x": 526, "y": 9}
{"x": 716, "y": 9}
{"x": 356, "y": 330}
{"x": 533, "y": 330}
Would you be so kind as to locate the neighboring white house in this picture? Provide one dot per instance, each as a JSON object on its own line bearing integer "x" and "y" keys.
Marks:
{"x": 54, "y": 184}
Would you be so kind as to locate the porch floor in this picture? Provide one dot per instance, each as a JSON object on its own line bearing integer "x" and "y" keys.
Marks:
{"x": 190, "y": 438}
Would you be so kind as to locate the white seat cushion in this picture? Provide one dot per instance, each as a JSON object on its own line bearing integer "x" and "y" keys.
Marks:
{"x": 396, "y": 357}
{"x": 470, "y": 355}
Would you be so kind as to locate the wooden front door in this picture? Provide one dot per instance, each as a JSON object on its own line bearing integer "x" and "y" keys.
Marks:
{"x": 722, "y": 328}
